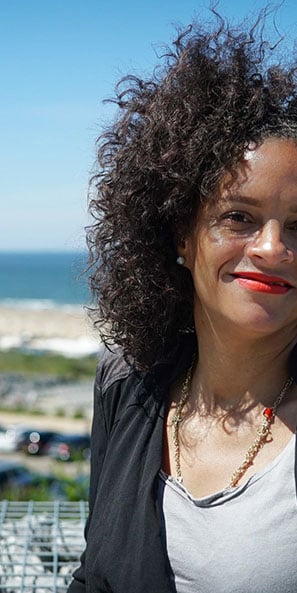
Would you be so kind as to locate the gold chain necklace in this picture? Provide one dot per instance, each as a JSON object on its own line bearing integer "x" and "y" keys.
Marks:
{"x": 262, "y": 432}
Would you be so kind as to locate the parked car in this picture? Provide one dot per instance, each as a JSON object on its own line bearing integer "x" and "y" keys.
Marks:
{"x": 10, "y": 436}
{"x": 34, "y": 442}
{"x": 69, "y": 447}
{"x": 17, "y": 482}
{"x": 13, "y": 475}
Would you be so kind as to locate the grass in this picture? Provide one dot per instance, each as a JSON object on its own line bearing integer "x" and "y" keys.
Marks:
{"x": 47, "y": 364}
{"x": 70, "y": 490}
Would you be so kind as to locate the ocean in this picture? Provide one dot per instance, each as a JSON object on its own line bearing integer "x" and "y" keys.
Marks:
{"x": 43, "y": 280}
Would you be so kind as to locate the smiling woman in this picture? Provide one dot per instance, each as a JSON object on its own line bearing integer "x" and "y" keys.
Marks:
{"x": 245, "y": 243}
{"x": 194, "y": 253}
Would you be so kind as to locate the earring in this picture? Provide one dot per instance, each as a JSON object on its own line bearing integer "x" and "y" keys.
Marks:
{"x": 180, "y": 260}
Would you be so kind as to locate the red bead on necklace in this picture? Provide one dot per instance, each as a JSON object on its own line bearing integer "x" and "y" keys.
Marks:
{"x": 268, "y": 413}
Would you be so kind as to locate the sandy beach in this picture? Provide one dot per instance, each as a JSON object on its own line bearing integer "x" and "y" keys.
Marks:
{"x": 67, "y": 330}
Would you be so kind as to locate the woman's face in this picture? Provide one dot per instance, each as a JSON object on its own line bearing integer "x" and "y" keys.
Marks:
{"x": 242, "y": 253}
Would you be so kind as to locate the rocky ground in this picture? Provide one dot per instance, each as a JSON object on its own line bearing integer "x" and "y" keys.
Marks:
{"x": 49, "y": 395}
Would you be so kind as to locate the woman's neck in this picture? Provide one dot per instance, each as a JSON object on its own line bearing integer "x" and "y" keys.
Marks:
{"x": 232, "y": 370}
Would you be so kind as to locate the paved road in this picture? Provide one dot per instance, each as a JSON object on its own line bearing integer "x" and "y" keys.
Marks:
{"x": 47, "y": 421}
{"x": 45, "y": 465}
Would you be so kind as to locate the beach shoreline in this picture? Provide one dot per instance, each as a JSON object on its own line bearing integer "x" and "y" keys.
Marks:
{"x": 66, "y": 330}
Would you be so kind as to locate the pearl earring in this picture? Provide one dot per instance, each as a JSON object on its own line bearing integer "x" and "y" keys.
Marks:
{"x": 180, "y": 260}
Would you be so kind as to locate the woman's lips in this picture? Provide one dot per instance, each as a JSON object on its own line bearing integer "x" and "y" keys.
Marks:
{"x": 262, "y": 283}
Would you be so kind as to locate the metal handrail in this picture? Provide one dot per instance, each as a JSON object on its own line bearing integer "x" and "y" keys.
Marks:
{"x": 40, "y": 545}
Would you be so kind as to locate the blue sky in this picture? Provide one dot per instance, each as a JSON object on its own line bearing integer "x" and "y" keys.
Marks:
{"x": 59, "y": 59}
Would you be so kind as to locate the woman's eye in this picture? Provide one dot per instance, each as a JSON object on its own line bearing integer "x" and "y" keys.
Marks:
{"x": 237, "y": 217}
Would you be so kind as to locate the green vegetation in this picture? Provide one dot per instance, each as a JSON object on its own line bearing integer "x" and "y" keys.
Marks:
{"x": 60, "y": 488}
{"x": 21, "y": 409}
{"x": 60, "y": 413}
{"x": 79, "y": 414}
{"x": 71, "y": 492}
{"x": 47, "y": 364}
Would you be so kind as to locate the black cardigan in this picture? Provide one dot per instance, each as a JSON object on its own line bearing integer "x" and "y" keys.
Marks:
{"x": 124, "y": 552}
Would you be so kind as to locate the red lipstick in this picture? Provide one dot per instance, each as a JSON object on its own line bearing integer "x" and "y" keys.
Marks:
{"x": 262, "y": 283}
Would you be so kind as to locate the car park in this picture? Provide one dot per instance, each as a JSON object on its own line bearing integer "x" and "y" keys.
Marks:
{"x": 16, "y": 481}
{"x": 69, "y": 447}
{"x": 10, "y": 436}
{"x": 34, "y": 442}
{"x": 14, "y": 475}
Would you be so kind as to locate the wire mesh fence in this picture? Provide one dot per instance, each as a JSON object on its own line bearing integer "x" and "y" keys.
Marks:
{"x": 40, "y": 545}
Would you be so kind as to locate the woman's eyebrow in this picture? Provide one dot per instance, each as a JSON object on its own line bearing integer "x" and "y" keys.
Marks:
{"x": 243, "y": 200}
{"x": 236, "y": 198}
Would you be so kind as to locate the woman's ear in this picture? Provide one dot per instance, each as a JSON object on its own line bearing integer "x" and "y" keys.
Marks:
{"x": 182, "y": 253}
{"x": 186, "y": 252}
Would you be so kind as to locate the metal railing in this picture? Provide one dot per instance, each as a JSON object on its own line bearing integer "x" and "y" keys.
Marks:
{"x": 40, "y": 545}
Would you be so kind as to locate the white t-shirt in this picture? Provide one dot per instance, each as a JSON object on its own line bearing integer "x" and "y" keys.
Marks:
{"x": 238, "y": 541}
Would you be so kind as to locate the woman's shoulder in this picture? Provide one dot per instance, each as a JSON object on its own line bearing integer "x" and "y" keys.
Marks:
{"x": 112, "y": 367}
{"x": 117, "y": 385}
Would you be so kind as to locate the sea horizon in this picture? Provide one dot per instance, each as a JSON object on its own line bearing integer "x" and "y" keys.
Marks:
{"x": 43, "y": 279}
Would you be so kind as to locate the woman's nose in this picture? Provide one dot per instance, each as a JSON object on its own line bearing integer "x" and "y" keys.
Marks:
{"x": 269, "y": 245}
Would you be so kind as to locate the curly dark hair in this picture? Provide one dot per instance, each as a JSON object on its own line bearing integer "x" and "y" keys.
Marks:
{"x": 215, "y": 92}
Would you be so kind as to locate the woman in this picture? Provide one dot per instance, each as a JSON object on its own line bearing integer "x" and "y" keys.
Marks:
{"x": 194, "y": 248}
